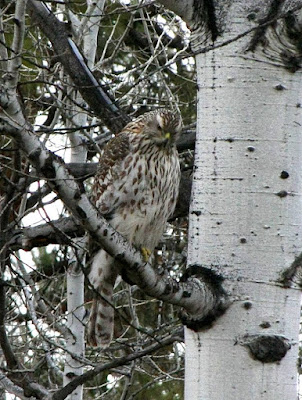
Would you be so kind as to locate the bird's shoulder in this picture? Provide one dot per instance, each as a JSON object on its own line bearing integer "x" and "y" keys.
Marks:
{"x": 114, "y": 153}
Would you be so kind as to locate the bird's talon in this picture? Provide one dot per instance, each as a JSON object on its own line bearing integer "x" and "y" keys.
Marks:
{"x": 146, "y": 253}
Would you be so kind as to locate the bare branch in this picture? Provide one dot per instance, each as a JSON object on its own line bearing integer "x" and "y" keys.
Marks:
{"x": 58, "y": 232}
{"x": 79, "y": 380}
{"x": 16, "y": 373}
{"x": 10, "y": 387}
{"x": 72, "y": 60}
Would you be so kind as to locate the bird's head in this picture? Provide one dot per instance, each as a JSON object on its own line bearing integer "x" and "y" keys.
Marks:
{"x": 162, "y": 126}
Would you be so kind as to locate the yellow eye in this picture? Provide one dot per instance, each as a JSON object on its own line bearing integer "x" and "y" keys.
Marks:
{"x": 167, "y": 135}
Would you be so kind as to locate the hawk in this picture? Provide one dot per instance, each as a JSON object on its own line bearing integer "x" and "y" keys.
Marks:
{"x": 136, "y": 189}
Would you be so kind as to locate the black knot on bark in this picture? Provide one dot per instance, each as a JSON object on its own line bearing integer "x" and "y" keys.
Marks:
{"x": 213, "y": 282}
{"x": 205, "y": 274}
{"x": 266, "y": 348}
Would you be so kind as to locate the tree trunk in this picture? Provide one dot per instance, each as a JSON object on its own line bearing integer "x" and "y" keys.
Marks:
{"x": 245, "y": 217}
{"x": 75, "y": 276}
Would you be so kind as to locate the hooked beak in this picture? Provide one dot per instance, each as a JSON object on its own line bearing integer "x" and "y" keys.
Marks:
{"x": 167, "y": 137}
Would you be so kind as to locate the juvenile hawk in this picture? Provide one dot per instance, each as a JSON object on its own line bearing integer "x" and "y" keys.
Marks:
{"x": 135, "y": 188}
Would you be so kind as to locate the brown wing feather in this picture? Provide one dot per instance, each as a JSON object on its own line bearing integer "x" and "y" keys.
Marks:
{"x": 114, "y": 154}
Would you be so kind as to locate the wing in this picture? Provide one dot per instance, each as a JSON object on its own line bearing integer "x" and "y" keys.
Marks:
{"x": 110, "y": 173}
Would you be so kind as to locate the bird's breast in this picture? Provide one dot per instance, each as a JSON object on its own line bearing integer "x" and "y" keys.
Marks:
{"x": 148, "y": 196}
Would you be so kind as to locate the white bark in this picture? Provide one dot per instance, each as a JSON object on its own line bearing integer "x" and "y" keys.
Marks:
{"x": 246, "y": 220}
{"x": 15, "y": 61}
{"x": 75, "y": 276}
{"x": 90, "y": 28}
{"x": 75, "y": 308}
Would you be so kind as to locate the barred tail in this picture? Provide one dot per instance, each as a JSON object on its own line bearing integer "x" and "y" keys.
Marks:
{"x": 102, "y": 276}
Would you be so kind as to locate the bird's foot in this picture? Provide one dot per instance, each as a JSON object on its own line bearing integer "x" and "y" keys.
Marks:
{"x": 146, "y": 253}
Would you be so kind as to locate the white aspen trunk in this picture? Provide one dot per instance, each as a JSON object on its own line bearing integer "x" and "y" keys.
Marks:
{"x": 75, "y": 308}
{"x": 75, "y": 342}
{"x": 75, "y": 276}
{"x": 245, "y": 218}
{"x": 91, "y": 29}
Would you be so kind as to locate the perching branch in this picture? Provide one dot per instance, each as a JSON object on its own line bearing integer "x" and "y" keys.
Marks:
{"x": 63, "y": 230}
{"x": 197, "y": 297}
